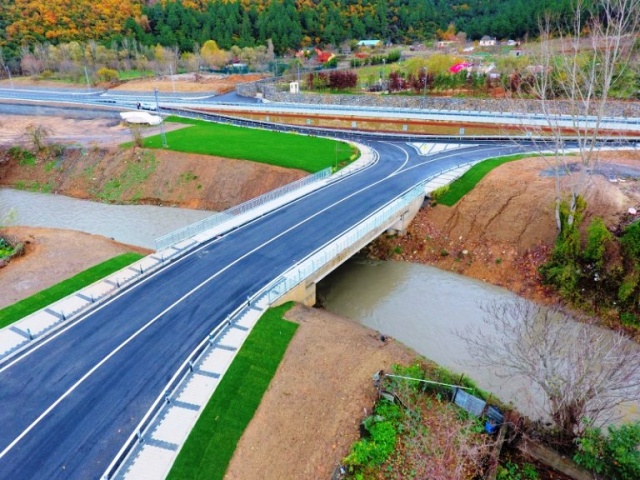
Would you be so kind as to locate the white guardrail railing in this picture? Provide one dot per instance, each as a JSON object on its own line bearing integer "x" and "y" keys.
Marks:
{"x": 306, "y": 268}
{"x": 213, "y": 221}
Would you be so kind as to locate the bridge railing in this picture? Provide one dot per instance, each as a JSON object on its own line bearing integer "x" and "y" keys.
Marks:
{"x": 307, "y": 267}
{"x": 213, "y": 221}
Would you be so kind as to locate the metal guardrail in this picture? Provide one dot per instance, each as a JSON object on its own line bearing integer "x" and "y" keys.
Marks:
{"x": 176, "y": 380}
{"x": 213, "y": 221}
{"x": 271, "y": 292}
{"x": 468, "y": 113}
{"x": 303, "y": 270}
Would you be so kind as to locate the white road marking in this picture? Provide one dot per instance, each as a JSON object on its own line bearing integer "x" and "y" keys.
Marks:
{"x": 157, "y": 317}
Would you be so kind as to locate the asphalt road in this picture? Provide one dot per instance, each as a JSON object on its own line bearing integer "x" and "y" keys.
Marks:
{"x": 69, "y": 404}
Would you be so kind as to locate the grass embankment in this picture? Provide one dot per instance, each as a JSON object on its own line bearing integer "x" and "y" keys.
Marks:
{"x": 459, "y": 188}
{"x": 46, "y": 297}
{"x": 212, "y": 442}
{"x": 288, "y": 150}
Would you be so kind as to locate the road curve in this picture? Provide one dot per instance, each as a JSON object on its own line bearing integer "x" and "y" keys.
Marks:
{"x": 70, "y": 403}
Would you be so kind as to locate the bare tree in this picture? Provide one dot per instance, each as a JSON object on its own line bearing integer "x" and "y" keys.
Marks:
{"x": 136, "y": 135}
{"x": 576, "y": 65}
{"x": 583, "y": 370}
{"x": 39, "y": 136}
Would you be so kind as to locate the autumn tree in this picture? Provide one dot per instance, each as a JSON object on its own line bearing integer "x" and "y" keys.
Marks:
{"x": 211, "y": 55}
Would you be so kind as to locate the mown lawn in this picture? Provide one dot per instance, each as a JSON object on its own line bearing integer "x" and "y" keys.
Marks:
{"x": 463, "y": 185}
{"x": 287, "y": 150}
{"x": 46, "y": 297}
{"x": 212, "y": 442}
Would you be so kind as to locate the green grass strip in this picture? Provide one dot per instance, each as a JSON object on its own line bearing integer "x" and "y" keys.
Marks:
{"x": 212, "y": 442}
{"x": 463, "y": 185}
{"x": 288, "y": 150}
{"x": 46, "y": 297}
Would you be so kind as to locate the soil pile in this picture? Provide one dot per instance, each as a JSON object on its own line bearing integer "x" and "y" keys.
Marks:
{"x": 189, "y": 82}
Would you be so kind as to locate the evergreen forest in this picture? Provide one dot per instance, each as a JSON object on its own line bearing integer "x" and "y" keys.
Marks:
{"x": 290, "y": 24}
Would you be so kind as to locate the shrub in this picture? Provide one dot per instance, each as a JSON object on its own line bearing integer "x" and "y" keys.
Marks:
{"x": 631, "y": 240}
{"x": 374, "y": 450}
{"x": 629, "y": 319}
{"x": 340, "y": 79}
{"x": 22, "y": 156}
{"x": 439, "y": 192}
{"x": 108, "y": 75}
{"x": 615, "y": 456}
{"x": 597, "y": 239}
{"x": 511, "y": 471}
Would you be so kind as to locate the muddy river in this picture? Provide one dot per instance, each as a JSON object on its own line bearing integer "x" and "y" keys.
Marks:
{"x": 133, "y": 224}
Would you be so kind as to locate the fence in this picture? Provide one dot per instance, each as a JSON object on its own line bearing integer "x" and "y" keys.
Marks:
{"x": 213, "y": 221}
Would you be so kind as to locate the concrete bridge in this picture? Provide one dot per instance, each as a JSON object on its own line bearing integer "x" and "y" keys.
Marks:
{"x": 88, "y": 385}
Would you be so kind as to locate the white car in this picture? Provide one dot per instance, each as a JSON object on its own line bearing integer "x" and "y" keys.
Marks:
{"x": 146, "y": 106}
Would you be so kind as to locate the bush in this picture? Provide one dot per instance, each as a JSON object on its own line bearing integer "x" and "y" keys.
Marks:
{"x": 340, "y": 79}
{"x": 439, "y": 192}
{"x": 374, "y": 450}
{"x": 629, "y": 319}
{"x": 511, "y": 471}
{"x": 631, "y": 241}
{"x": 108, "y": 75}
{"x": 615, "y": 456}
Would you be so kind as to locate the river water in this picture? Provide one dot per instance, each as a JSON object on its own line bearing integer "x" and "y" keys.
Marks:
{"x": 424, "y": 308}
{"x": 133, "y": 224}
{"x": 421, "y": 306}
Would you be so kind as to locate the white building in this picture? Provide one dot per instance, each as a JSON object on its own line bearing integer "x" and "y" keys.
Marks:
{"x": 488, "y": 41}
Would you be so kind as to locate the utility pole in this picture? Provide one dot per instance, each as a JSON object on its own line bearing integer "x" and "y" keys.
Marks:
{"x": 424, "y": 93}
{"x": 162, "y": 135}
{"x": 86, "y": 76}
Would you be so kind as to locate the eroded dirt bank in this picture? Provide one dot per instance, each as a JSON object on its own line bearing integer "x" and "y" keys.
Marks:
{"x": 504, "y": 229}
{"x": 157, "y": 177}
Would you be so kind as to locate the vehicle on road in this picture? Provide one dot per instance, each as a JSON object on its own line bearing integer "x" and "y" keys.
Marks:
{"x": 146, "y": 106}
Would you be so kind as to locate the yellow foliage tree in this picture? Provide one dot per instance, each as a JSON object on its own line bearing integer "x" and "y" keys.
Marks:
{"x": 212, "y": 55}
{"x": 66, "y": 20}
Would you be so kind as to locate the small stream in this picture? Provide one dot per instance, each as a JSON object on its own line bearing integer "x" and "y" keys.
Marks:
{"x": 136, "y": 225}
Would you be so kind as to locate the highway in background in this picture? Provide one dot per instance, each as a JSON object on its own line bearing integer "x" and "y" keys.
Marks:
{"x": 231, "y": 103}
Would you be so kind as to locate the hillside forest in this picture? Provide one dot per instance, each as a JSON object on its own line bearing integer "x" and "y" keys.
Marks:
{"x": 291, "y": 24}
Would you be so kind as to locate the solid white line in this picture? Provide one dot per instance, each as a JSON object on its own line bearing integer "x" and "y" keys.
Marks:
{"x": 208, "y": 243}
{"x": 458, "y": 152}
{"x": 153, "y": 320}
{"x": 406, "y": 157}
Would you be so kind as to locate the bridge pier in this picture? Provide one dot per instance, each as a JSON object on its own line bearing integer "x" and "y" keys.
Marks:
{"x": 304, "y": 293}
{"x": 401, "y": 226}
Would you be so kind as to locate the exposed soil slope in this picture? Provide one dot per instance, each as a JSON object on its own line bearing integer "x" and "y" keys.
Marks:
{"x": 51, "y": 256}
{"x": 156, "y": 177}
{"x": 504, "y": 228}
{"x": 189, "y": 82}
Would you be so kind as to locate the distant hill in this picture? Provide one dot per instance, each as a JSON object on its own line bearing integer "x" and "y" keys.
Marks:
{"x": 289, "y": 23}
